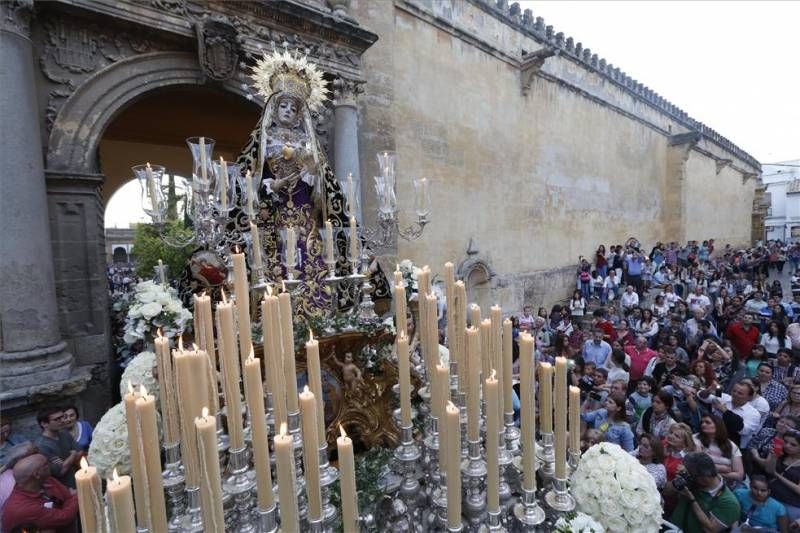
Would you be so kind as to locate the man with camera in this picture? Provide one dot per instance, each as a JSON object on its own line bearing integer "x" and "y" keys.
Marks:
{"x": 705, "y": 503}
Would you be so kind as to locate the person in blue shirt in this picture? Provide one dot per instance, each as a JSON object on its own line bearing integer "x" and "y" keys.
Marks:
{"x": 759, "y": 510}
{"x": 635, "y": 261}
{"x": 596, "y": 350}
{"x": 612, "y": 422}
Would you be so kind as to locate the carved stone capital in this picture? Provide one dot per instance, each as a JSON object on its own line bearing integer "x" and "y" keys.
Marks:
{"x": 346, "y": 91}
{"x": 15, "y": 16}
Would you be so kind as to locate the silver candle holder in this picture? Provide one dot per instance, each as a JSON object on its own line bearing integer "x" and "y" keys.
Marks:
{"x": 559, "y": 498}
{"x": 239, "y": 483}
{"x": 192, "y": 521}
{"x": 512, "y": 433}
{"x": 174, "y": 483}
{"x": 494, "y": 523}
{"x": 430, "y": 457}
{"x": 528, "y": 512}
{"x": 267, "y": 519}
{"x": 223, "y": 441}
{"x": 504, "y": 462}
{"x": 328, "y": 475}
{"x": 407, "y": 456}
{"x": 545, "y": 452}
{"x": 573, "y": 459}
{"x": 439, "y": 501}
{"x": 474, "y": 471}
{"x": 293, "y": 422}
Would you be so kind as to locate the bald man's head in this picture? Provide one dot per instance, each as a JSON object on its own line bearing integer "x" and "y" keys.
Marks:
{"x": 19, "y": 452}
{"x": 31, "y": 470}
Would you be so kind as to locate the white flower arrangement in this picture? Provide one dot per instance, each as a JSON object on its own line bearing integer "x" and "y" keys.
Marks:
{"x": 140, "y": 372}
{"x": 614, "y": 488}
{"x": 154, "y": 307}
{"x": 109, "y": 447}
{"x": 410, "y": 274}
{"x": 576, "y": 522}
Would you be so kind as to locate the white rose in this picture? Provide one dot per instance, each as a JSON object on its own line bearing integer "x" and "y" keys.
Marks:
{"x": 604, "y": 462}
{"x": 173, "y": 306}
{"x": 612, "y": 507}
{"x": 135, "y": 311}
{"x": 147, "y": 296}
{"x": 614, "y": 523}
{"x": 150, "y": 310}
{"x": 130, "y": 338}
{"x": 632, "y": 498}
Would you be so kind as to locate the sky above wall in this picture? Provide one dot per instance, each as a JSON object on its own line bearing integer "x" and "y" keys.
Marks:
{"x": 733, "y": 65}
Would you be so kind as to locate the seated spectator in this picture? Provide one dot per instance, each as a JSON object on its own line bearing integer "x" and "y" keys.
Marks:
{"x": 57, "y": 445}
{"x": 526, "y": 319}
{"x": 651, "y": 456}
{"x": 660, "y": 309}
{"x": 758, "y": 509}
{"x": 625, "y": 335}
{"x": 769, "y": 389}
{"x": 7, "y": 439}
{"x": 39, "y": 500}
{"x": 706, "y": 504}
{"x": 599, "y": 321}
{"x": 775, "y": 338}
{"x": 577, "y": 305}
{"x": 756, "y": 356}
{"x": 713, "y": 440}
{"x": 629, "y": 300}
{"x": 611, "y": 422}
{"x": 791, "y": 407}
{"x": 647, "y": 326}
{"x": 657, "y": 418}
{"x": 677, "y": 444}
{"x": 783, "y": 472}
{"x": 641, "y": 399}
{"x": 81, "y": 430}
{"x": 672, "y": 342}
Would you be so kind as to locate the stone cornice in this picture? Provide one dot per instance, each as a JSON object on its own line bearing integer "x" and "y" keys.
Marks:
{"x": 568, "y": 48}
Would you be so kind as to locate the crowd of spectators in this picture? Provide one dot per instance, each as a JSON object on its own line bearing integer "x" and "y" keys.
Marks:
{"x": 37, "y": 476}
{"x": 121, "y": 278}
{"x": 689, "y": 358}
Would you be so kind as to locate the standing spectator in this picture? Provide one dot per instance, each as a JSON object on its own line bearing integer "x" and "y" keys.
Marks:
{"x": 600, "y": 261}
{"x": 774, "y": 338}
{"x": 783, "y": 471}
{"x": 756, "y": 356}
{"x": 640, "y": 356}
{"x": 625, "y": 335}
{"x": 784, "y": 371}
{"x": 80, "y": 430}
{"x": 677, "y": 443}
{"x": 641, "y": 399}
{"x": 698, "y": 300}
{"x": 656, "y": 419}
{"x": 612, "y": 423}
{"x": 743, "y": 334}
{"x": 7, "y": 438}
{"x": 596, "y": 350}
{"x": 758, "y": 509}
{"x": 741, "y": 419}
{"x": 57, "y": 445}
{"x": 584, "y": 278}
{"x": 713, "y": 440}
{"x": 577, "y": 306}
{"x": 774, "y": 392}
{"x": 611, "y": 287}
{"x": 618, "y": 367}
{"x": 668, "y": 368}
{"x": 651, "y": 456}
{"x": 635, "y": 262}
{"x": 39, "y": 500}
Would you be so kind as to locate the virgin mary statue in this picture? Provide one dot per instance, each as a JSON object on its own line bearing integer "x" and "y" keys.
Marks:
{"x": 298, "y": 188}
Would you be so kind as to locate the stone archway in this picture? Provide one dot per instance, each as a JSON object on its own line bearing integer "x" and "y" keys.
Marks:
{"x": 74, "y": 181}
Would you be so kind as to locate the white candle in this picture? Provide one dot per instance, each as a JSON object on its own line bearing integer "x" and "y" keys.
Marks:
{"x": 351, "y": 194}
{"x": 203, "y": 170}
{"x": 348, "y": 483}
{"x": 257, "y": 262}
{"x": 90, "y": 498}
{"x": 453, "y": 444}
{"x": 210, "y": 478}
{"x": 560, "y": 404}
{"x": 248, "y": 180}
{"x": 527, "y": 383}
{"x": 308, "y": 416}
{"x": 404, "y": 370}
{"x": 120, "y": 504}
{"x": 151, "y": 186}
{"x": 223, "y": 185}
{"x": 353, "y": 241}
{"x": 287, "y": 491}
{"x": 329, "y": 255}
{"x": 291, "y": 246}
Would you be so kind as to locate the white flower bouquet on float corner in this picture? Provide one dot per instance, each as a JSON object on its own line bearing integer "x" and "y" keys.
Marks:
{"x": 152, "y": 307}
{"x": 612, "y": 487}
{"x": 576, "y": 522}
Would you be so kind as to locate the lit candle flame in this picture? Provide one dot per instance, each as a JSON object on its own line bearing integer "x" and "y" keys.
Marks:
{"x": 341, "y": 430}
{"x": 224, "y": 299}
{"x": 403, "y": 335}
{"x": 247, "y": 174}
{"x": 283, "y": 429}
{"x": 84, "y": 465}
{"x": 494, "y": 375}
{"x": 158, "y": 333}
{"x": 142, "y": 391}
{"x": 397, "y": 267}
{"x": 115, "y": 475}
{"x": 148, "y": 166}
{"x": 204, "y": 412}
{"x": 237, "y": 250}
{"x": 310, "y": 336}
{"x": 283, "y": 285}
{"x": 252, "y": 355}
{"x": 180, "y": 343}
{"x": 306, "y": 389}
{"x": 130, "y": 387}
{"x": 203, "y": 294}
{"x": 195, "y": 347}
{"x": 269, "y": 290}
{"x": 451, "y": 405}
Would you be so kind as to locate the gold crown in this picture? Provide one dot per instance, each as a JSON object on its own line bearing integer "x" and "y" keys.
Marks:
{"x": 293, "y": 75}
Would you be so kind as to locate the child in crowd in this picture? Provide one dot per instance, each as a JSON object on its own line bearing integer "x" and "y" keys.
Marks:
{"x": 641, "y": 398}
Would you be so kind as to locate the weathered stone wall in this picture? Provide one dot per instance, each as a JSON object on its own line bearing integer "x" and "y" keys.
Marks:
{"x": 534, "y": 180}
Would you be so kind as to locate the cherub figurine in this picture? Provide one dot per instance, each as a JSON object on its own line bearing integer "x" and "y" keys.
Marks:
{"x": 350, "y": 372}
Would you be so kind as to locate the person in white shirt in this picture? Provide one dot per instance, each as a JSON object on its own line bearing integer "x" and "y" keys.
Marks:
{"x": 577, "y": 306}
{"x": 629, "y": 300}
{"x": 698, "y": 300}
{"x": 611, "y": 286}
{"x": 738, "y": 403}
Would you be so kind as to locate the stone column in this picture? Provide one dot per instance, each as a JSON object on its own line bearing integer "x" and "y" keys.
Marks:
{"x": 345, "y": 135}
{"x": 32, "y": 352}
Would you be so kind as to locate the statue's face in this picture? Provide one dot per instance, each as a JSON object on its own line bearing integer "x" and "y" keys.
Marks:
{"x": 287, "y": 111}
